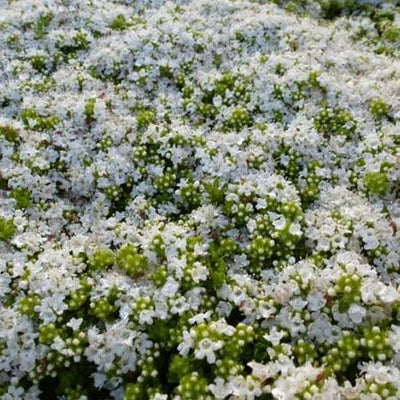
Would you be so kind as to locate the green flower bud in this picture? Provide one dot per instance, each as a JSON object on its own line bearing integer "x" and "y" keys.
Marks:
{"x": 133, "y": 263}
{"x": 102, "y": 259}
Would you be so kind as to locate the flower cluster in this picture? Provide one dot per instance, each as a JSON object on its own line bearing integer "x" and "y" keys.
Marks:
{"x": 199, "y": 200}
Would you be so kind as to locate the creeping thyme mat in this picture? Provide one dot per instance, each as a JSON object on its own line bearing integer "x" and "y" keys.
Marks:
{"x": 199, "y": 200}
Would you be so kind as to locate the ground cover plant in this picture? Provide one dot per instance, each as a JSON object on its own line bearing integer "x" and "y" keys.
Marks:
{"x": 199, "y": 199}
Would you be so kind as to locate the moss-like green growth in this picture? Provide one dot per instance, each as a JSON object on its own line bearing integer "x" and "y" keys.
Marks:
{"x": 7, "y": 229}
{"x": 89, "y": 110}
{"x": 102, "y": 308}
{"x": 239, "y": 119}
{"x": 335, "y": 8}
{"x": 47, "y": 333}
{"x": 33, "y": 120}
{"x": 80, "y": 42}
{"x": 22, "y": 196}
{"x": 38, "y": 62}
{"x": 348, "y": 291}
{"x": 119, "y": 23}
{"x": 344, "y": 353}
{"x": 331, "y": 121}
{"x": 376, "y": 344}
{"x": 376, "y": 182}
{"x": 134, "y": 391}
{"x": 304, "y": 351}
{"x": 102, "y": 259}
{"x": 42, "y": 24}
{"x": 42, "y": 86}
{"x": 28, "y": 304}
{"x": 129, "y": 259}
{"x": 144, "y": 118}
{"x": 192, "y": 386}
{"x": 9, "y": 133}
{"x": 378, "y": 108}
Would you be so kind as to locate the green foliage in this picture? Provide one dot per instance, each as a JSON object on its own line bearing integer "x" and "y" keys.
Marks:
{"x": 37, "y": 122}
{"x": 129, "y": 259}
{"x": 190, "y": 195}
{"x": 80, "y": 42}
{"x": 134, "y": 391}
{"x": 144, "y": 118}
{"x": 102, "y": 308}
{"x": 304, "y": 351}
{"x": 43, "y": 86}
{"x": 89, "y": 110}
{"x": 260, "y": 250}
{"x": 384, "y": 390}
{"x": 38, "y": 62}
{"x": 239, "y": 119}
{"x": 159, "y": 276}
{"x": 9, "y": 133}
{"x": 334, "y": 8}
{"x": 218, "y": 273}
{"x": 28, "y": 304}
{"x": 22, "y": 197}
{"x": 215, "y": 191}
{"x": 47, "y": 333}
{"x": 376, "y": 183}
{"x": 340, "y": 356}
{"x": 348, "y": 291}
{"x": 192, "y": 386}
{"x": 102, "y": 259}
{"x": 119, "y": 23}
{"x": 375, "y": 342}
{"x": 178, "y": 367}
{"x": 7, "y": 229}
{"x": 378, "y": 108}
{"x": 158, "y": 246}
{"x": 332, "y": 121}
{"x": 42, "y": 25}
{"x": 79, "y": 297}
{"x": 165, "y": 182}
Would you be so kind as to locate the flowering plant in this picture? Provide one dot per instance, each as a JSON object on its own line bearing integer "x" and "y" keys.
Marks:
{"x": 199, "y": 200}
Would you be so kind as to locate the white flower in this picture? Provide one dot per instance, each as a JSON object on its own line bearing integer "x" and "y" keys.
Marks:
{"x": 394, "y": 338}
{"x": 274, "y": 336}
{"x": 295, "y": 229}
{"x": 237, "y": 295}
{"x": 179, "y": 305}
{"x": 357, "y": 313}
{"x": 316, "y": 301}
{"x": 99, "y": 379}
{"x": 199, "y": 272}
{"x": 279, "y": 221}
{"x": 219, "y": 389}
{"x": 75, "y": 323}
{"x": 159, "y": 397}
{"x": 170, "y": 287}
{"x": 146, "y": 317}
{"x": 388, "y": 294}
{"x": 200, "y": 317}
{"x": 206, "y": 348}
{"x": 58, "y": 344}
{"x": 245, "y": 387}
{"x": 186, "y": 344}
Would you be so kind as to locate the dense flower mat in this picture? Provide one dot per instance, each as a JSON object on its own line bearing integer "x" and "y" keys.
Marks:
{"x": 199, "y": 200}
